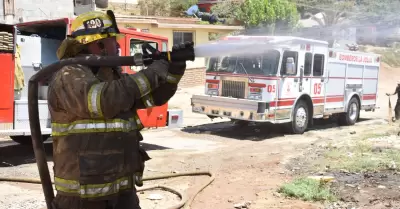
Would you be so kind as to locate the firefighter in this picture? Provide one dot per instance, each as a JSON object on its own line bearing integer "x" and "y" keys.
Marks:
{"x": 95, "y": 127}
{"x": 397, "y": 107}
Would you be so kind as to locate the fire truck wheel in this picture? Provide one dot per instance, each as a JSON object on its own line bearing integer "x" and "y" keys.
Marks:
{"x": 26, "y": 140}
{"x": 351, "y": 116}
{"x": 300, "y": 120}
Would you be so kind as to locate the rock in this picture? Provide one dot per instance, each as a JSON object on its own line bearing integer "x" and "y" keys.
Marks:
{"x": 282, "y": 172}
{"x": 388, "y": 204}
{"x": 381, "y": 187}
{"x": 276, "y": 194}
{"x": 344, "y": 171}
{"x": 155, "y": 197}
{"x": 230, "y": 200}
{"x": 392, "y": 165}
{"x": 368, "y": 175}
{"x": 242, "y": 205}
{"x": 351, "y": 185}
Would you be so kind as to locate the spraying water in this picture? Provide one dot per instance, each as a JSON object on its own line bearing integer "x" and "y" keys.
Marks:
{"x": 244, "y": 46}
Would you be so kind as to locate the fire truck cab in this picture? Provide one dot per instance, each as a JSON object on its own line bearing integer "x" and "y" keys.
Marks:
{"x": 38, "y": 42}
{"x": 291, "y": 82}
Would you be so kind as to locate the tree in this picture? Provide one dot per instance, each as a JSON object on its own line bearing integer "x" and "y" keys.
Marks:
{"x": 333, "y": 12}
{"x": 169, "y": 8}
{"x": 229, "y": 9}
{"x": 269, "y": 13}
{"x": 154, "y": 7}
{"x": 179, "y": 7}
{"x": 377, "y": 11}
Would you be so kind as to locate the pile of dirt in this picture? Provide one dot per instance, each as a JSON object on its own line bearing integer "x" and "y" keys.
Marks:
{"x": 369, "y": 190}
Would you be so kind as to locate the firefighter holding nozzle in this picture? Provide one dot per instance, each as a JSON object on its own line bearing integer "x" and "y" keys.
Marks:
{"x": 95, "y": 126}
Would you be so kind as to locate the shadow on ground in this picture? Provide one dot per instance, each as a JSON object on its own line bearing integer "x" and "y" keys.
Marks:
{"x": 15, "y": 154}
{"x": 255, "y": 131}
{"x": 150, "y": 147}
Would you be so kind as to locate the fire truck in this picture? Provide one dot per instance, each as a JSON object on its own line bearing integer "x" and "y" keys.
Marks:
{"x": 291, "y": 82}
{"x": 38, "y": 42}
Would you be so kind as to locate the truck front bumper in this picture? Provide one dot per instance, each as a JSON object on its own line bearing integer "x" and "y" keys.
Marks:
{"x": 241, "y": 109}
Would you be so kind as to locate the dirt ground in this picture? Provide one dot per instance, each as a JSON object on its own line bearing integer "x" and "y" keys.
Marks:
{"x": 250, "y": 163}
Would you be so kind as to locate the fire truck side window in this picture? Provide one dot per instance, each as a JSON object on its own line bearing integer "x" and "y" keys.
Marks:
{"x": 319, "y": 61}
{"x": 164, "y": 46}
{"x": 308, "y": 64}
{"x": 286, "y": 55}
{"x": 136, "y": 47}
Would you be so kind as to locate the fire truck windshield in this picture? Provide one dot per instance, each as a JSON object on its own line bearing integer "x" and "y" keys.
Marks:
{"x": 263, "y": 64}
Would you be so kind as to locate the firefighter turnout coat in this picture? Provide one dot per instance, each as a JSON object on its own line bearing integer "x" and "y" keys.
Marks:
{"x": 95, "y": 126}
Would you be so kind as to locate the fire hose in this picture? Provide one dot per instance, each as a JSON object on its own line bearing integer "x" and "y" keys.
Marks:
{"x": 184, "y": 202}
{"x": 93, "y": 61}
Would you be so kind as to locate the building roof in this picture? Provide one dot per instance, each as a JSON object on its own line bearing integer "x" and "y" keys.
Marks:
{"x": 173, "y": 22}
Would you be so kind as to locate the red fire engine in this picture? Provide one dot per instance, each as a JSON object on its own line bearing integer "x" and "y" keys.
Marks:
{"x": 37, "y": 45}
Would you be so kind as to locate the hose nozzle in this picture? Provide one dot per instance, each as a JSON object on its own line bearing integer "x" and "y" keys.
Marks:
{"x": 180, "y": 53}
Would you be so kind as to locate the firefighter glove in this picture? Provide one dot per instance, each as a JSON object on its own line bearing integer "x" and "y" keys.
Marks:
{"x": 160, "y": 68}
{"x": 183, "y": 51}
{"x": 177, "y": 68}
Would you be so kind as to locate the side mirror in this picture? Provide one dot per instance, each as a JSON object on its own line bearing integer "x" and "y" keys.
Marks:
{"x": 290, "y": 66}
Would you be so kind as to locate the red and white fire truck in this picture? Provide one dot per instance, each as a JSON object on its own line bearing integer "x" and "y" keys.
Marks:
{"x": 289, "y": 83}
{"x": 38, "y": 42}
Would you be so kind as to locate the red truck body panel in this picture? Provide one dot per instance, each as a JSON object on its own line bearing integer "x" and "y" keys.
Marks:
{"x": 151, "y": 117}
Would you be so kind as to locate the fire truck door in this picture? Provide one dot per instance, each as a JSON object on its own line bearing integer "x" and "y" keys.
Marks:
{"x": 289, "y": 82}
{"x": 306, "y": 67}
{"x": 317, "y": 80}
{"x": 155, "y": 116}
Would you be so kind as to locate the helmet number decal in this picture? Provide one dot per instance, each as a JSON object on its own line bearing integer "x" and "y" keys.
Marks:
{"x": 93, "y": 23}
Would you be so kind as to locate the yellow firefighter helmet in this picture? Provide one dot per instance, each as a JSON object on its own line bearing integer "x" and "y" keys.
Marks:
{"x": 93, "y": 26}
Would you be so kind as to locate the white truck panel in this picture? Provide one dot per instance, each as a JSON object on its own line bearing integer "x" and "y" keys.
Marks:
{"x": 345, "y": 74}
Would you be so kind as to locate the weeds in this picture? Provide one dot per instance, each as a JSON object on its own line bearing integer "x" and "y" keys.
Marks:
{"x": 389, "y": 56}
{"x": 308, "y": 190}
{"x": 360, "y": 156}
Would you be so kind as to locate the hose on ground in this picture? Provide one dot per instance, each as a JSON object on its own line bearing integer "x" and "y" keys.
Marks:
{"x": 184, "y": 202}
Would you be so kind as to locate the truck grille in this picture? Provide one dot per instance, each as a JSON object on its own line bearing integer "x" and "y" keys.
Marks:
{"x": 235, "y": 89}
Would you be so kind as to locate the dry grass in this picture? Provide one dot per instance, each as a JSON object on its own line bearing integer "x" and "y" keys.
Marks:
{"x": 359, "y": 155}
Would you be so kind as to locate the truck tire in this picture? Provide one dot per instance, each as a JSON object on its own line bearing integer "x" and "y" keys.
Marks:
{"x": 300, "y": 118}
{"x": 350, "y": 117}
{"x": 27, "y": 140}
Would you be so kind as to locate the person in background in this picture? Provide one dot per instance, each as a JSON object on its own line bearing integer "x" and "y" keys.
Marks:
{"x": 397, "y": 107}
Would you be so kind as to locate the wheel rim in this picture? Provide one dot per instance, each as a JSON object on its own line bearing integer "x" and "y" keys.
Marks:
{"x": 353, "y": 111}
{"x": 301, "y": 117}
